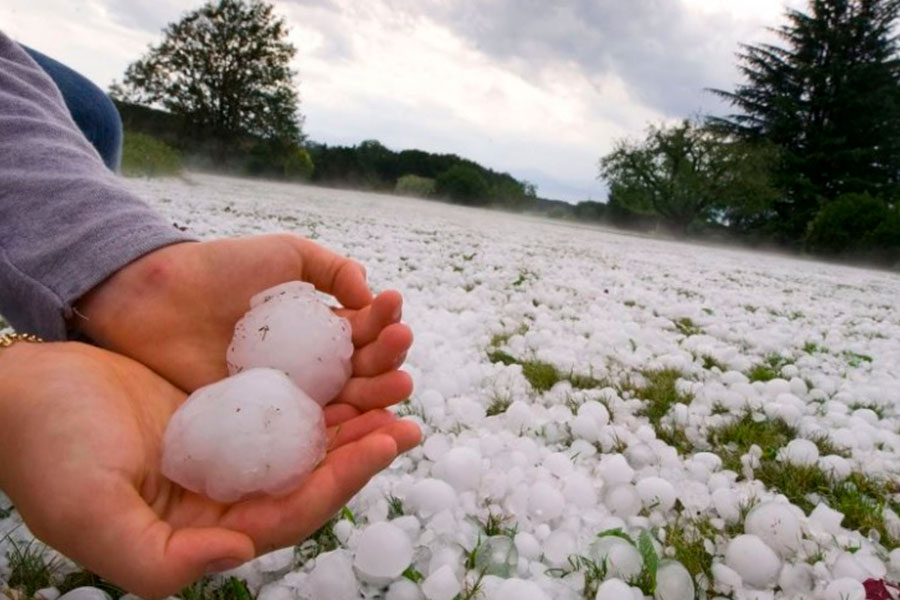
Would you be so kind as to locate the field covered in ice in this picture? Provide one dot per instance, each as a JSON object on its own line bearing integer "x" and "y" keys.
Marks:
{"x": 598, "y": 409}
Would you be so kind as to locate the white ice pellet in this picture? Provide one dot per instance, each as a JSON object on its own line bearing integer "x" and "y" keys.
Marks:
{"x": 622, "y": 500}
{"x": 497, "y": 555}
{"x": 85, "y": 593}
{"x": 402, "y": 589}
{"x": 441, "y": 585}
{"x": 383, "y": 552}
{"x": 545, "y": 503}
{"x": 613, "y": 589}
{"x": 796, "y": 579}
{"x": 518, "y": 589}
{"x": 620, "y": 556}
{"x": 333, "y": 577}
{"x": 753, "y": 560}
{"x": 800, "y": 452}
{"x": 579, "y": 491}
{"x": 673, "y": 582}
{"x": 430, "y": 496}
{"x": 460, "y": 467}
{"x": 656, "y": 493}
{"x": 844, "y": 589}
{"x": 837, "y": 468}
{"x": 251, "y": 433}
{"x": 530, "y": 548}
{"x": 290, "y": 329}
{"x": 826, "y": 518}
{"x": 776, "y": 524}
{"x": 615, "y": 469}
{"x": 726, "y": 577}
{"x": 558, "y": 547}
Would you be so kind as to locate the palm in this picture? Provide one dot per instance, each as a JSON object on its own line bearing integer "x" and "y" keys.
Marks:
{"x": 86, "y": 475}
{"x": 175, "y": 310}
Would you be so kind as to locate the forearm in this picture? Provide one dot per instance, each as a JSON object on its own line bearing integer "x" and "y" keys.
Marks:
{"x": 66, "y": 222}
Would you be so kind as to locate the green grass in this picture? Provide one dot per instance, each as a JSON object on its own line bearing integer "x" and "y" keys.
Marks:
{"x": 209, "y": 589}
{"x": 542, "y": 375}
{"x": 686, "y": 327}
{"x": 499, "y": 404}
{"x": 395, "y": 507}
{"x": 86, "y": 578}
{"x": 854, "y": 359}
{"x": 32, "y": 566}
{"x": 594, "y": 573}
{"x": 710, "y": 363}
{"x": 769, "y": 369}
{"x": 860, "y": 498}
{"x": 497, "y": 524}
{"x": 685, "y": 536}
{"x": 146, "y": 156}
{"x": 660, "y": 394}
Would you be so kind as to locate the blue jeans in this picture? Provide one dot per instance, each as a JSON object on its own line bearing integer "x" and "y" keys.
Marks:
{"x": 91, "y": 109}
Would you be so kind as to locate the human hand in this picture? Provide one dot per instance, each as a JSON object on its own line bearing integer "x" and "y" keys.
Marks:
{"x": 80, "y": 435}
{"x": 174, "y": 310}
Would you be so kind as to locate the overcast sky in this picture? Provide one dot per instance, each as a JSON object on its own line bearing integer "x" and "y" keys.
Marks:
{"x": 539, "y": 88}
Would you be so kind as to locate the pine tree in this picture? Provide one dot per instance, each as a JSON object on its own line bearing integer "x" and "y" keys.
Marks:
{"x": 226, "y": 68}
{"x": 829, "y": 99}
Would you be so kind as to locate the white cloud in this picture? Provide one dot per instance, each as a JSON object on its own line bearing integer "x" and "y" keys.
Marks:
{"x": 535, "y": 93}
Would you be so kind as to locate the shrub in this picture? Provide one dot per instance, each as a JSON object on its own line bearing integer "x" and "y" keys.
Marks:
{"x": 463, "y": 184}
{"x": 146, "y": 156}
{"x": 414, "y": 185}
{"x": 844, "y": 224}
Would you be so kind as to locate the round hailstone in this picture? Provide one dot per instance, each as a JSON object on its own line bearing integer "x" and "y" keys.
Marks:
{"x": 620, "y": 556}
{"x": 545, "y": 503}
{"x": 333, "y": 577}
{"x": 252, "y": 433}
{"x": 497, "y": 555}
{"x": 776, "y": 524}
{"x": 656, "y": 493}
{"x": 801, "y": 452}
{"x": 673, "y": 582}
{"x": 613, "y": 589}
{"x": 402, "y": 589}
{"x": 622, "y": 500}
{"x": 753, "y": 560}
{"x": 844, "y": 589}
{"x": 460, "y": 467}
{"x": 383, "y": 552}
{"x": 289, "y": 328}
{"x": 430, "y": 496}
{"x": 85, "y": 593}
{"x": 441, "y": 585}
{"x": 519, "y": 589}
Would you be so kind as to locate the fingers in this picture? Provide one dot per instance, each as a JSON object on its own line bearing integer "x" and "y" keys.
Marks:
{"x": 130, "y": 546}
{"x": 343, "y": 278}
{"x": 385, "y": 353}
{"x": 366, "y": 393}
{"x": 335, "y": 413}
{"x": 368, "y": 322}
{"x": 358, "y": 427}
{"x": 274, "y": 523}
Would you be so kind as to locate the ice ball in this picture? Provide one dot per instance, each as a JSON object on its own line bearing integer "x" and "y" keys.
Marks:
{"x": 776, "y": 524}
{"x": 497, "y": 555}
{"x": 619, "y": 555}
{"x": 673, "y": 582}
{"x": 613, "y": 589}
{"x": 753, "y": 560}
{"x": 255, "y": 432}
{"x": 383, "y": 552}
{"x": 290, "y": 329}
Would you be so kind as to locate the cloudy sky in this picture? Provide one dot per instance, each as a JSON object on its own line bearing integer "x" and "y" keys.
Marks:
{"x": 539, "y": 88}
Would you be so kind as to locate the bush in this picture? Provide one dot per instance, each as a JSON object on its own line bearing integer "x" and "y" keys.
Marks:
{"x": 846, "y": 224}
{"x": 146, "y": 156}
{"x": 298, "y": 164}
{"x": 414, "y": 185}
{"x": 463, "y": 184}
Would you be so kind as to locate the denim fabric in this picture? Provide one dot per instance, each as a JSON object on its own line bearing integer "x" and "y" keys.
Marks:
{"x": 91, "y": 109}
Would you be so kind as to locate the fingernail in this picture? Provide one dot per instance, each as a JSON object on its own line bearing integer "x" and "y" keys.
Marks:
{"x": 398, "y": 312}
{"x": 400, "y": 361}
{"x": 223, "y": 564}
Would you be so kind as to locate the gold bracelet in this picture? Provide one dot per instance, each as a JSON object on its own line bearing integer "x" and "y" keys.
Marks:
{"x": 11, "y": 338}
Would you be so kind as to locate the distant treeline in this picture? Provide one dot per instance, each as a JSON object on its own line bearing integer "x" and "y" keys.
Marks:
{"x": 368, "y": 166}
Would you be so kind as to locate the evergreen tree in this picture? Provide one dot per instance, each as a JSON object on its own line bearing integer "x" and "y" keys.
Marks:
{"x": 829, "y": 99}
{"x": 226, "y": 68}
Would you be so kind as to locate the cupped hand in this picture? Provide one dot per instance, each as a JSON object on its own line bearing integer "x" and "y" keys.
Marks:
{"x": 174, "y": 310}
{"x": 80, "y": 432}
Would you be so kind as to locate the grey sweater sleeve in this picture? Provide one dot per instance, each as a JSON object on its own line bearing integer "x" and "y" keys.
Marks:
{"x": 66, "y": 222}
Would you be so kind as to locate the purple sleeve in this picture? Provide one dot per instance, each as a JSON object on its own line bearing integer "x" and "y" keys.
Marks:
{"x": 66, "y": 222}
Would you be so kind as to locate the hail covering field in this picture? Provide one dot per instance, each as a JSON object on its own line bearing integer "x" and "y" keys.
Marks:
{"x": 599, "y": 410}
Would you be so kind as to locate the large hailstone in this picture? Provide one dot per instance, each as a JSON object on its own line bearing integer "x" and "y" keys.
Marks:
{"x": 255, "y": 432}
{"x": 289, "y": 328}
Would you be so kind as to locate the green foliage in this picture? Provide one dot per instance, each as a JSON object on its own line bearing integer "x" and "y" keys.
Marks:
{"x": 463, "y": 184}
{"x": 226, "y": 67}
{"x": 146, "y": 156}
{"x": 281, "y": 158}
{"x": 827, "y": 98}
{"x": 685, "y": 536}
{"x": 846, "y": 224}
{"x": 688, "y": 175}
{"x": 209, "y": 589}
{"x": 87, "y": 579}
{"x": 31, "y": 566}
{"x": 414, "y": 185}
